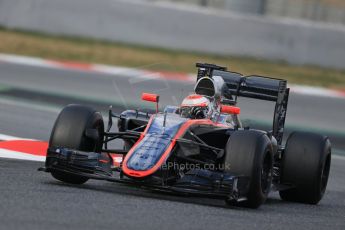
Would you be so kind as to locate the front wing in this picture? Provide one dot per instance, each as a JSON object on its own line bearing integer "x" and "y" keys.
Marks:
{"x": 198, "y": 182}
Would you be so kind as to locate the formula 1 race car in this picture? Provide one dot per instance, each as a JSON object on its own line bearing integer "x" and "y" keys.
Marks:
{"x": 197, "y": 148}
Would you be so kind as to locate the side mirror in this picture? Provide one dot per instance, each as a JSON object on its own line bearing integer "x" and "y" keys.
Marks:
{"x": 151, "y": 98}
{"x": 230, "y": 109}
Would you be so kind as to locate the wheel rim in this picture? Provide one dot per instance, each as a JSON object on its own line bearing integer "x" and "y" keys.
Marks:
{"x": 266, "y": 173}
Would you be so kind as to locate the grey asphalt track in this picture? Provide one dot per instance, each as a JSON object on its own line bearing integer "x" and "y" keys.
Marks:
{"x": 34, "y": 200}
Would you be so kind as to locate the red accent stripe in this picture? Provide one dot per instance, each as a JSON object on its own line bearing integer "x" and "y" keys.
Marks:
{"x": 114, "y": 156}
{"x": 104, "y": 161}
{"x": 72, "y": 65}
{"x": 38, "y": 148}
{"x": 193, "y": 105}
{"x": 194, "y": 96}
{"x": 342, "y": 92}
{"x": 165, "y": 155}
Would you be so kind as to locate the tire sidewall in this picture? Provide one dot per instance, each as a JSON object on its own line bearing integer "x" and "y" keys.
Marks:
{"x": 246, "y": 151}
{"x": 303, "y": 165}
{"x": 256, "y": 196}
{"x": 73, "y": 133}
{"x": 69, "y": 132}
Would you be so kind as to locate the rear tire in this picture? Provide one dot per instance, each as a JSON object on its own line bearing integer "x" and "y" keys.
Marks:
{"x": 306, "y": 165}
{"x": 250, "y": 154}
{"x": 69, "y": 132}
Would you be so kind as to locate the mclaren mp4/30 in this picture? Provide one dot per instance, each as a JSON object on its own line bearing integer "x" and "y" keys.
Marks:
{"x": 199, "y": 148}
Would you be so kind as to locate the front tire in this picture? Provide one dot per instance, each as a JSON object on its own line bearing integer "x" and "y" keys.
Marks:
{"x": 306, "y": 166}
{"x": 250, "y": 154}
{"x": 69, "y": 132}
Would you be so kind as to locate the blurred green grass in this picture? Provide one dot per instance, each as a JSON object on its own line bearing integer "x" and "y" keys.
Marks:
{"x": 113, "y": 53}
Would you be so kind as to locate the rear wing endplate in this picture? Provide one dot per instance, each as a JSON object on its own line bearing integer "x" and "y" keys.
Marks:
{"x": 256, "y": 87}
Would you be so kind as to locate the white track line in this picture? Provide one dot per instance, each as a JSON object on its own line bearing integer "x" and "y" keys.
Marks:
{"x": 5, "y": 153}
{"x": 316, "y": 91}
{"x": 140, "y": 73}
{"x": 5, "y": 137}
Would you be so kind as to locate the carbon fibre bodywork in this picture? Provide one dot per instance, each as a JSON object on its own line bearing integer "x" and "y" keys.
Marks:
{"x": 159, "y": 159}
{"x": 157, "y": 139}
{"x": 169, "y": 152}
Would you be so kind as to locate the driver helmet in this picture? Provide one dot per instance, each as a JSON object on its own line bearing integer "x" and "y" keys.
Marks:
{"x": 195, "y": 107}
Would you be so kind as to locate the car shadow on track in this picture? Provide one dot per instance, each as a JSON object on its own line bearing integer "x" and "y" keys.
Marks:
{"x": 126, "y": 190}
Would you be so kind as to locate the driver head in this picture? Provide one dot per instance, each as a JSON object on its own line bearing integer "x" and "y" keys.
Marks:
{"x": 195, "y": 107}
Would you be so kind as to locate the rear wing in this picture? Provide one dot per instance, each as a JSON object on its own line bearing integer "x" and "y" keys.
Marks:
{"x": 256, "y": 87}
